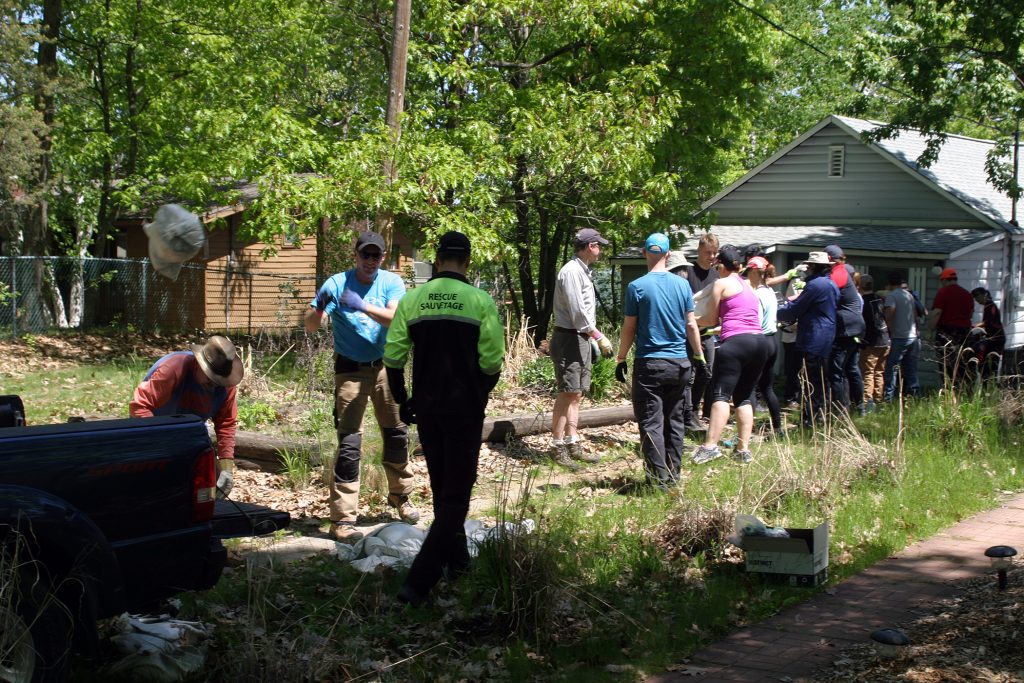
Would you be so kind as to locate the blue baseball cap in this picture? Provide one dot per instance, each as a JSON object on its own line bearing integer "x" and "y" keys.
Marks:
{"x": 657, "y": 243}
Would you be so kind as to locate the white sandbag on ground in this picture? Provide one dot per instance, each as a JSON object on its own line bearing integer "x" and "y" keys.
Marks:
{"x": 395, "y": 545}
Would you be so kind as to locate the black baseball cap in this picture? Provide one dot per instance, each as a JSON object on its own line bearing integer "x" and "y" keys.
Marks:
{"x": 453, "y": 242}
{"x": 834, "y": 252}
{"x": 368, "y": 239}
{"x": 588, "y": 235}
{"x": 729, "y": 255}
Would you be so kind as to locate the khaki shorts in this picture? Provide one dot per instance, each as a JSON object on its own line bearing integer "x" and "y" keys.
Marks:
{"x": 570, "y": 353}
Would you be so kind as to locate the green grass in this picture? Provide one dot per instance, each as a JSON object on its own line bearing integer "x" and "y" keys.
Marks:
{"x": 101, "y": 389}
{"x": 634, "y": 580}
{"x": 596, "y": 585}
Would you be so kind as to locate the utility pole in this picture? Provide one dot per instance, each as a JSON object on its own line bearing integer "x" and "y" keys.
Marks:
{"x": 396, "y": 102}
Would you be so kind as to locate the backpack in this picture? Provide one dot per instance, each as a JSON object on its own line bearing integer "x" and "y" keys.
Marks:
{"x": 877, "y": 331}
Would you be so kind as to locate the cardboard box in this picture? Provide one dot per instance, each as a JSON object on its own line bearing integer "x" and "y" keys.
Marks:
{"x": 801, "y": 559}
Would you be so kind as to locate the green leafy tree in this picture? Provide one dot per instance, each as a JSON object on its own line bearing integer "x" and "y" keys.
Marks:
{"x": 812, "y": 47}
{"x": 526, "y": 120}
{"x": 19, "y": 119}
{"x": 950, "y": 67}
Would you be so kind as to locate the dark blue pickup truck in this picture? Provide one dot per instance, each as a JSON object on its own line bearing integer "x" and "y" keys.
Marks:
{"x": 99, "y": 518}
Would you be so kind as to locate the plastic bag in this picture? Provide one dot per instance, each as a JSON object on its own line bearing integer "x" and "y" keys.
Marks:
{"x": 157, "y": 648}
{"x": 175, "y": 236}
{"x": 749, "y": 525}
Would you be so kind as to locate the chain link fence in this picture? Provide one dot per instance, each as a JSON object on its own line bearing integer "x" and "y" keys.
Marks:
{"x": 42, "y": 293}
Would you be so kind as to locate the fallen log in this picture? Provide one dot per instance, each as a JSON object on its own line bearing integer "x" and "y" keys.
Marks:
{"x": 501, "y": 429}
{"x": 265, "y": 452}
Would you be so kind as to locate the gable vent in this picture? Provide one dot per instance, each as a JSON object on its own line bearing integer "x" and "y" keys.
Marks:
{"x": 836, "y": 161}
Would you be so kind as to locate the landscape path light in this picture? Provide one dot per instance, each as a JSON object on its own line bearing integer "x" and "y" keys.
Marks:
{"x": 890, "y": 642}
{"x": 1002, "y": 559}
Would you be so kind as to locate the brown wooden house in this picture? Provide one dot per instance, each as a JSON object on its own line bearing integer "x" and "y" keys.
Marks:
{"x": 230, "y": 286}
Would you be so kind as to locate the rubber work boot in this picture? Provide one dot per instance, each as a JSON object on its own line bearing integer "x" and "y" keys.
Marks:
{"x": 406, "y": 510}
{"x": 345, "y": 532}
{"x": 694, "y": 425}
{"x": 576, "y": 452}
{"x": 560, "y": 455}
{"x": 409, "y": 596}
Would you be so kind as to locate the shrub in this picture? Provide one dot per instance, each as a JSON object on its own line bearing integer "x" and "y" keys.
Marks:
{"x": 602, "y": 379}
{"x": 255, "y": 413}
{"x": 539, "y": 374}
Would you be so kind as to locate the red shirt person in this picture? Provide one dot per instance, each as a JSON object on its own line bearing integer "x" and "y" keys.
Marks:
{"x": 953, "y": 304}
{"x": 198, "y": 382}
{"x": 951, "y": 321}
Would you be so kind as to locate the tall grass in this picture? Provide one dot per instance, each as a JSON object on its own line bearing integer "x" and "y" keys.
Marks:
{"x": 642, "y": 580}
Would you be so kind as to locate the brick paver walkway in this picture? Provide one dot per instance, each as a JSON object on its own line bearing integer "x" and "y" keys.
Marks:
{"x": 793, "y": 644}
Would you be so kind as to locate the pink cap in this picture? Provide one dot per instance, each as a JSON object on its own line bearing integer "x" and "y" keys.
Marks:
{"x": 758, "y": 263}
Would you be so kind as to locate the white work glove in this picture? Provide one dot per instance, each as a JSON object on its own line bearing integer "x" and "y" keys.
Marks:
{"x": 226, "y": 477}
{"x": 603, "y": 344}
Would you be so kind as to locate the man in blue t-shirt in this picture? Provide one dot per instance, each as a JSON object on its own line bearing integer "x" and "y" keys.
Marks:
{"x": 361, "y": 303}
{"x": 659, "y": 316}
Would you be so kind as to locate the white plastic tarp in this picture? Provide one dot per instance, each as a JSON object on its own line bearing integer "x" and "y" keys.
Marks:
{"x": 395, "y": 545}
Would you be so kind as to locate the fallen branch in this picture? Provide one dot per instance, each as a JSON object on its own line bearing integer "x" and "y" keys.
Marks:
{"x": 500, "y": 429}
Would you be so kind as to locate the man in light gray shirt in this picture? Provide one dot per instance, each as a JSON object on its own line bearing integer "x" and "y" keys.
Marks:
{"x": 575, "y": 309}
{"x": 902, "y": 309}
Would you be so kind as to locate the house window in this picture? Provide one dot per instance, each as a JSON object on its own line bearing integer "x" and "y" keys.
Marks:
{"x": 836, "y": 161}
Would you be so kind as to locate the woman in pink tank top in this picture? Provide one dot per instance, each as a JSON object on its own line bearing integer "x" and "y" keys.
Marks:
{"x": 738, "y": 361}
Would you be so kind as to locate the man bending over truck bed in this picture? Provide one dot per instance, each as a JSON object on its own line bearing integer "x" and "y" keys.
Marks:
{"x": 197, "y": 382}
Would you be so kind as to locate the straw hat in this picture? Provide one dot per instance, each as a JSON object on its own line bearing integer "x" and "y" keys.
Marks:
{"x": 219, "y": 361}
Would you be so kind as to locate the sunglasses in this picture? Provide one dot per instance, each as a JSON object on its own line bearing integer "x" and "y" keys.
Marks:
{"x": 371, "y": 255}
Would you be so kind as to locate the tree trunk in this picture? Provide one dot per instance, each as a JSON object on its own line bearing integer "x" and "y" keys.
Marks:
{"x": 503, "y": 428}
{"x": 102, "y": 242}
{"x": 396, "y": 101}
{"x": 523, "y": 242}
{"x": 59, "y": 315}
{"x": 131, "y": 96}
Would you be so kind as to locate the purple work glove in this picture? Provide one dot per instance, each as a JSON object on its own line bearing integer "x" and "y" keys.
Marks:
{"x": 323, "y": 298}
{"x": 352, "y": 300}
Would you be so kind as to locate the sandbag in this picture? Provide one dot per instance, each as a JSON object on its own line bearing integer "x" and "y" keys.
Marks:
{"x": 175, "y": 236}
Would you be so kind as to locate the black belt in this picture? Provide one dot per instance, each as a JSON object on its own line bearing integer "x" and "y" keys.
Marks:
{"x": 566, "y": 330}
{"x": 345, "y": 364}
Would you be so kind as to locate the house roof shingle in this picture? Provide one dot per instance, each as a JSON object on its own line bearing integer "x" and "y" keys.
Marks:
{"x": 959, "y": 168}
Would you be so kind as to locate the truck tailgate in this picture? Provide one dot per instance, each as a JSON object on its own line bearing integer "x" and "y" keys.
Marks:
{"x": 232, "y": 519}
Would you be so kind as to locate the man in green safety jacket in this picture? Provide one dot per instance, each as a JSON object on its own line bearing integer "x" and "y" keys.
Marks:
{"x": 459, "y": 348}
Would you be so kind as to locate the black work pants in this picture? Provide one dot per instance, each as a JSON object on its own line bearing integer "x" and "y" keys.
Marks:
{"x": 658, "y": 386}
{"x": 451, "y": 447}
{"x": 817, "y": 386}
{"x": 792, "y": 360}
{"x": 701, "y": 391}
{"x": 949, "y": 345}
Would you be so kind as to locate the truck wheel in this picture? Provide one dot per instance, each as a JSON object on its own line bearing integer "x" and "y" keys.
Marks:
{"x": 35, "y": 628}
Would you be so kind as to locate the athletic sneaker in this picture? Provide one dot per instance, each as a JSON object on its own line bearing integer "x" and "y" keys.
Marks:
{"x": 703, "y": 454}
{"x": 742, "y": 457}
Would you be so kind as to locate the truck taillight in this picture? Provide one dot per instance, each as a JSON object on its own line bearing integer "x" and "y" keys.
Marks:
{"x": 204, "y": 486}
